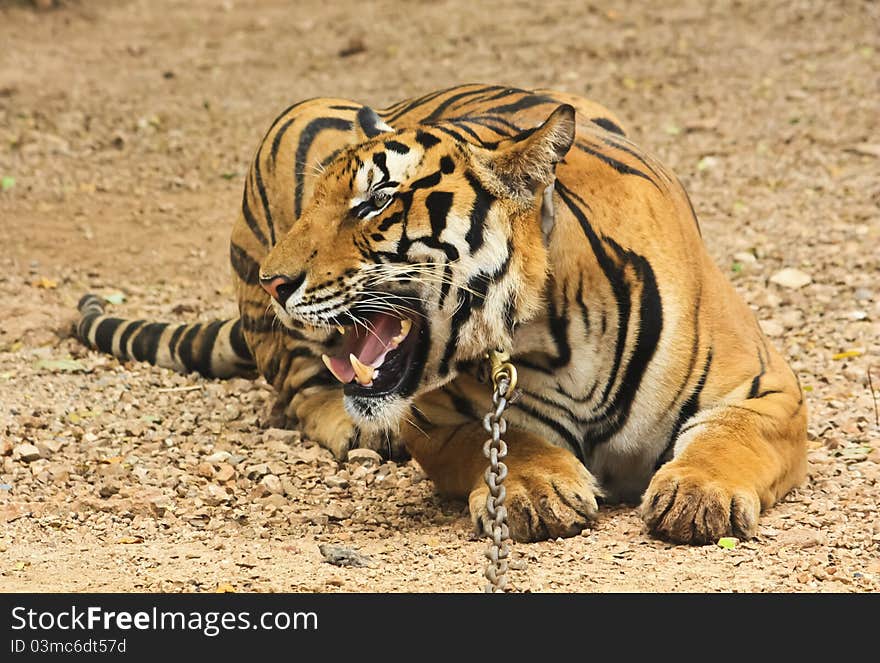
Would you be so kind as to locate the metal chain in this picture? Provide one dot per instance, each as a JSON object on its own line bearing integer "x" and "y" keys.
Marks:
{"x": 495, "y": 449}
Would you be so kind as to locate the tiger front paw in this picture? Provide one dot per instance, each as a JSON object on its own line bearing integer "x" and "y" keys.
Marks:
{"x": 684, "y": 504}
{"x": 553, "y": 496}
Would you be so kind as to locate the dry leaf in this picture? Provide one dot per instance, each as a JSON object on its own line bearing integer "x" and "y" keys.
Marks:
{"x": 44, "y": 283}
{"x": 849, "y": 354}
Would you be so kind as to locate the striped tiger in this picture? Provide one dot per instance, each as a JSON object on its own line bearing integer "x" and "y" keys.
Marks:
{"x": 378, "y": 255}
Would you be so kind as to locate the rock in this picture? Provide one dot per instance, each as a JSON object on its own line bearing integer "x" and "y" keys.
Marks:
{"x": 205, "y": 470}
{"x": 259, "y": 491}
{"x": 272, "y": 484}
{"x": 108, "y": 489}
{"x": 53, "y": 446}
{"x": 745, "y": 257}
{"x": 277, "y": 468}
{"x": 276, "y": 501}
{"x": 366, "y": 457}
{"x": 308, "y": 455}
{"x": 289, "y": 489}
{"x": 282, "y": 434}
{"x": 214, "y": 495}
{"x": 224, "y": 473}
{"x": 338, "y": 512}
{"x": 158, "y": 506}
{"x": 6, "y": 447}
{"x": 336, "y": 481}
{"x": 862, "y": 294}
{"x": 791, "y": 278}
{"x": 801, "y": 538}
{"x": 792, "y": 319}
{"x": 341, "y": 556}
{"x": 218, "y": 457}
{"x": 26, "y": 452}
{"x": 772, "y": 328}
{"x": 255, "y": 472}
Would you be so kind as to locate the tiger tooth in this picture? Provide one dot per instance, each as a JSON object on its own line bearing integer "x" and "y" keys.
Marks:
{"x": 329, "y": 366}
{"x": 340, "y": 329}
{"x": 363, "y": 373}
{"x": 405, "y": 326}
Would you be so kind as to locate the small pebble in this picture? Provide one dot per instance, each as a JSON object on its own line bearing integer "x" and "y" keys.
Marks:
{"x": 26, "y": 452}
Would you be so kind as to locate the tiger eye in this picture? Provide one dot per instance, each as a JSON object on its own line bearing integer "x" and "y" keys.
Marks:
{"x": 380, "y": 198}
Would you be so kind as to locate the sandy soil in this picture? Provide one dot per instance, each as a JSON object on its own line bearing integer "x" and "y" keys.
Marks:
{"x": 125, "y": 130}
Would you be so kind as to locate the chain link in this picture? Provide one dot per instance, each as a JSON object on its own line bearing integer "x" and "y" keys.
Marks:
{"x": 495, "y": 449}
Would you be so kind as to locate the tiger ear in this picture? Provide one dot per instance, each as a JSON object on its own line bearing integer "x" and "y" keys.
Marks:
{"x": 527, "y": 162}
{"x": 368, "y": 125}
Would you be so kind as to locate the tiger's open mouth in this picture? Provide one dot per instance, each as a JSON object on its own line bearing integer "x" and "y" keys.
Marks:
{"x": 380, "y": 354}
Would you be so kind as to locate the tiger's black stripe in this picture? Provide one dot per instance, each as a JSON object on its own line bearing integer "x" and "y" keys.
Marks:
{"x": 239, "y": 344}
{"x": 145, "y": 345}
{"x": 105, "y": 332}
{"x": 571, "y": 438}
{"x": 438, "y": 111}
{"x": 529, "y": 101}
{"x": 438, "y": 203}
{"x": 249, "y": 217}
{"x": 264, "y": 198}
{"x": 412, "y": 105}
{"x": 306, "y": 138}
{"x": 619, "y": 166}
{"x": 202, "y": 359}
{"x": 558, "y": 322}
{"x": 483, "y": 200}
{"x": 608, "y": 125}
{"x": 462, "y": 314}
{"x": 245, "y": 267}
{"x": 756, "y": 381}
{"x": 690, "y": 407}
{"x": 125, "y": 337}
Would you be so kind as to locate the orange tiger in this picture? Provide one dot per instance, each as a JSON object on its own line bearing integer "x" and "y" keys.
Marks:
{"x": 379, "y": 255}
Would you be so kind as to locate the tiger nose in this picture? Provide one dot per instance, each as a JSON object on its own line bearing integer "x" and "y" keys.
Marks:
{"x": 281, "y": 287}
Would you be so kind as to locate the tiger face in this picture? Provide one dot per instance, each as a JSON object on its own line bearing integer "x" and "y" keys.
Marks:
{"x": 423, "y": 250}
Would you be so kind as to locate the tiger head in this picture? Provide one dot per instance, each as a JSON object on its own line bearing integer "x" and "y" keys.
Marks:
{"x": 423, "y": 250}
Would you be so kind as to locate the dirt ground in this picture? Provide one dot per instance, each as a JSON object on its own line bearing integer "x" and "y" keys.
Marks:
{"x": 125, "y": 131}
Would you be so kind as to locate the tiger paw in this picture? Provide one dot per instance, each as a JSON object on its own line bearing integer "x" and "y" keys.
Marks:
{"x": 684, "y": 504}
{"x": 550, "y": 498}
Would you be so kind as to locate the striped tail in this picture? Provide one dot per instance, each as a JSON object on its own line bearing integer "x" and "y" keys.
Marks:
{"x": 216, "y": 349}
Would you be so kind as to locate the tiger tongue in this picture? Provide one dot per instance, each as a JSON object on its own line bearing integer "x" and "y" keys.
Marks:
{"x": 364, "y": 349}
{"x": 369, "y": 344}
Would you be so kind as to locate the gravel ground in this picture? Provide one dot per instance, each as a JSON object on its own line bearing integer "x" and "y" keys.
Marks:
{"x": 125, "y": 131}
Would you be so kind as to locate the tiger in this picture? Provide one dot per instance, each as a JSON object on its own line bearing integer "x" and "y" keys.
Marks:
{"x": 379, "y": 255}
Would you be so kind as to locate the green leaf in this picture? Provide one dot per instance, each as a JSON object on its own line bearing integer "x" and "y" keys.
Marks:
{"x": 707, "y": 162}
{"x": 6, "y": 183}
{"x": 728, "y": 542}
{"x": 855, "y": 453}
{"x": 736, "y": 267}
{"x": 61, "y": 365}
{"x": 115, "y": 298}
